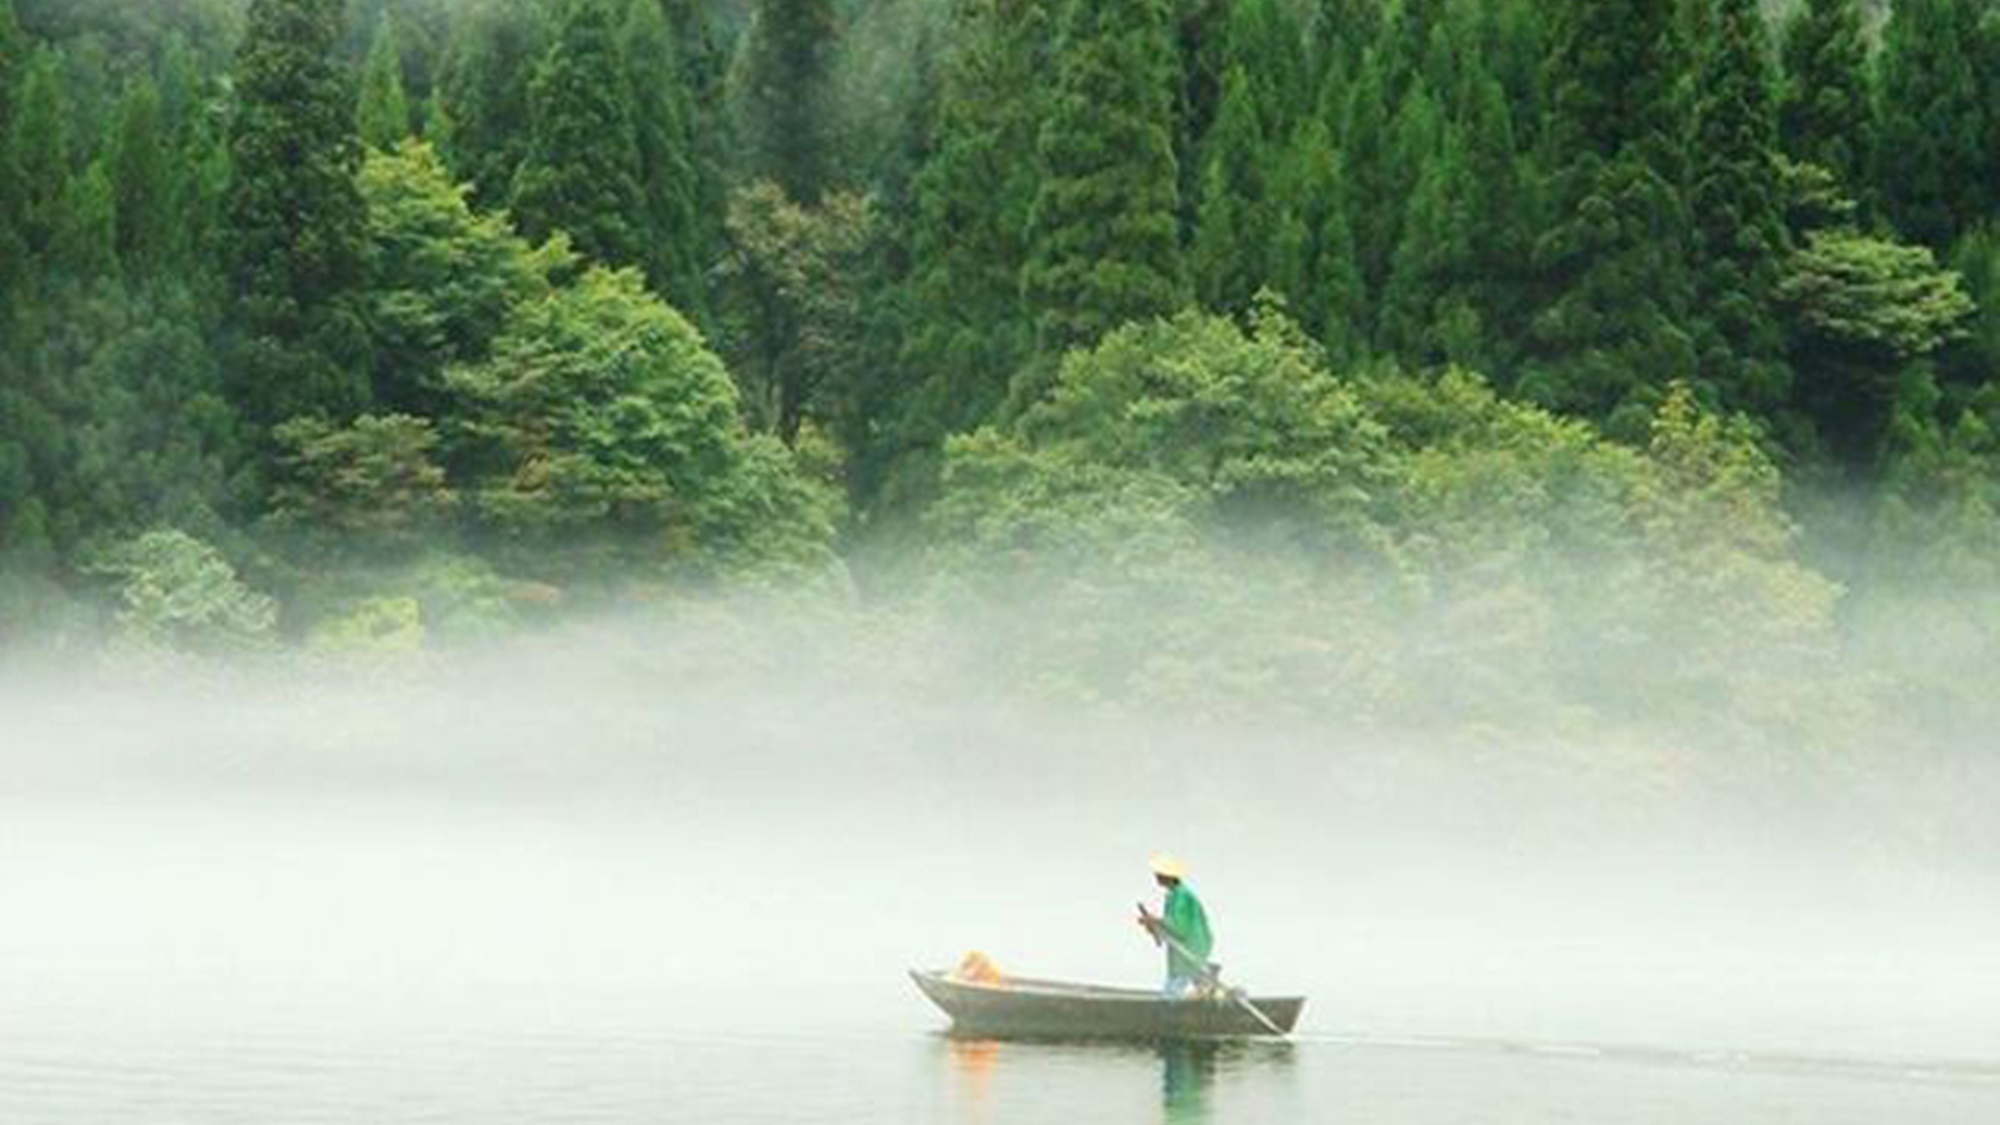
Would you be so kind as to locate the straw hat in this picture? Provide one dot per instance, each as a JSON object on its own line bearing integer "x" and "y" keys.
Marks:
{"x": 1169, "y": 866}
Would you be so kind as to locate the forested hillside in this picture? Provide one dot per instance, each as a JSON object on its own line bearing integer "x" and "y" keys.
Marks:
{"x": 1601, "y": 353}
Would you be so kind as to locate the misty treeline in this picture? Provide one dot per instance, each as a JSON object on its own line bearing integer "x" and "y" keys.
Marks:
{"x": 1601, "y": 358}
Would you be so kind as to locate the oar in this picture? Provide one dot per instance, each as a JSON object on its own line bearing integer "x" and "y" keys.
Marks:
{"x": 1210, "y": 976}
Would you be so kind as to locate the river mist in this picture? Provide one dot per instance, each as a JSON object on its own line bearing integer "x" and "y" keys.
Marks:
{"x": 726, "y": 824}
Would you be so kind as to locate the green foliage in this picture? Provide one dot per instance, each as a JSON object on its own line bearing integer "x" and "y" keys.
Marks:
{"x": 1374, "y": 204}
{"x": 1613, "y": 330}
{"x": 1232, "y": 427}
{"x": 464, "y": 599}
{"x": 1118, "y": 540}
{"x": 1315, "y": 255}
{"x": 1431, "y": 546}
{"x": 1976, "y": 260}
{"x": 176, "y": 593}
{"x": 1853, "y": 289}
{"x": 951, "y": 304}
{"x": 442, "y": 281}
{"x": 1826, "y": 112}
{"x": 38, "y": 149}
{"x": 1104, "y": 243}
{"x": 13, "y": 44}
{"x": 796, "y": 275}
{"x": 1936, "y": 176}
{"x": 1942, "y": 487}
{"x": 1427, "y": 316}
{"x": 1238, "y": 245}
{"x": 370, "y": 488}
{"x": 602, "y": 433}
{"x": 677, "y": 243}
{"x": 1492, "y": 488}
{"x": 375, "y": 627}
{"x": 295, "y": 217}
{"x": 1863, "y": 308}
{"x": 787, "y": 121}
{"x": 116, "y": 417}
{"x": 197, "y": 109}
{"x": 970, "y": 330}
{"x": 372, "y": 627}
{"x": 490, "y": 60}
{"x": 86, "y": 239}
{"x": 1342, "y": 30}
{"x": 1237, "y": 232}
{"x": 1738, "y": 204}
{"x": 398, "y": 604}
{"x": 12, "y": 248}
{"x": 1615, "y": 333}
{"x": 1501, "y": 198}
{"x": 383, "y": 116}
{"x": 147, "y": 187}
{"x": 581, "y": 171}
{"x": 1613, "y": 261}
{"x": 1719, "y": 539}
{"x": 1520, "y": 562}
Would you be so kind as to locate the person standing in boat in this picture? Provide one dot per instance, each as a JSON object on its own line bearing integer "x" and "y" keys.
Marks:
{"x": 1181, "y": 927}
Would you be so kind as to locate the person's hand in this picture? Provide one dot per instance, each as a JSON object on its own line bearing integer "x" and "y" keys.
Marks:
{"x": 1149, "y": 923}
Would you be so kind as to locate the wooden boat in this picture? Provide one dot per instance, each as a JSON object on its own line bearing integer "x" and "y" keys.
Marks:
{"x": 1046, "y": 1009}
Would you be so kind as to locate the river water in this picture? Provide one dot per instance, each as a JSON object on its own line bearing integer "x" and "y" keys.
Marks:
{"x": 462, "y": 913}
{"x": 255, "y": 958}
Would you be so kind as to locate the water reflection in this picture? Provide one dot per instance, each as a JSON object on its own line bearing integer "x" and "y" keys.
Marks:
{"x": 981, "y": 1070}
{"x": 972, "y": 1064}
{"x": 1187, "y": 1070}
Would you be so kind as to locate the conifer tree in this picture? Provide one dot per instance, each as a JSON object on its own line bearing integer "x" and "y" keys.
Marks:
{"x": 970, "y": 328}
{"x": 704, "y": 78}
{"x": 1266, "y": 39}
{"x": 1611, "y": 331}
{"x": 788, "y": 116}
{"x": 1738, "y": 209}
{"x": 1415, "y": 138}
{"x": 1976, "y": 259}
{"x": 1105, "y": 237}
{"x": 1267, "y": 42}
{"x": 1427, "y": 317}
{"x": 383, "y": 116}
{"x": 1236, "y": 242}
{"x": 1419, "y": 49}
{"x": 12, "y": 249}
{"x": 1200, "y": 35}
{"x": 38, "y": 144}
{"x": 1316, "y": 265}
{"x": 85, "y": 242}
{"x": 676, "y": 247}
{"x": 1826, "y": 116}
{"x": 295, "y": 217}
{"x": 1341, "y": 34}
{"x": 1498, "y": 190}
{"x": 1368, "y": 166}
{"x": 144, "y": 184}
{"x": 1237, "y": 232}
{"x": 1933, "y": 167}
{"x": 13, "y": 47}
{"x": 581, "y": 172}
{"x": 199, "y": 145}
{"x": 489, "y": 69}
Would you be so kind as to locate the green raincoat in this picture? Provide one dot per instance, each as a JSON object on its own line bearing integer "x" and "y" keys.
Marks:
{"x": 1188, "y": 923}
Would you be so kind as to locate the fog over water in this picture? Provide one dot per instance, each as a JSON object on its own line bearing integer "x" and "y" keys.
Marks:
{"x": 593, "y": 877}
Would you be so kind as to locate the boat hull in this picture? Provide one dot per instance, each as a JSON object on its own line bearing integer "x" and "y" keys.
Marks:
{"x": 1056, "y": 1010}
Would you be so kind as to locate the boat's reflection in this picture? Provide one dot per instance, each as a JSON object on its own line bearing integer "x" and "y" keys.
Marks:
{"x": 1187, "y": 1070}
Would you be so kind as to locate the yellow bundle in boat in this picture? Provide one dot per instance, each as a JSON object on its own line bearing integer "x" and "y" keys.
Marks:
{"x": 978, "y": 968}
